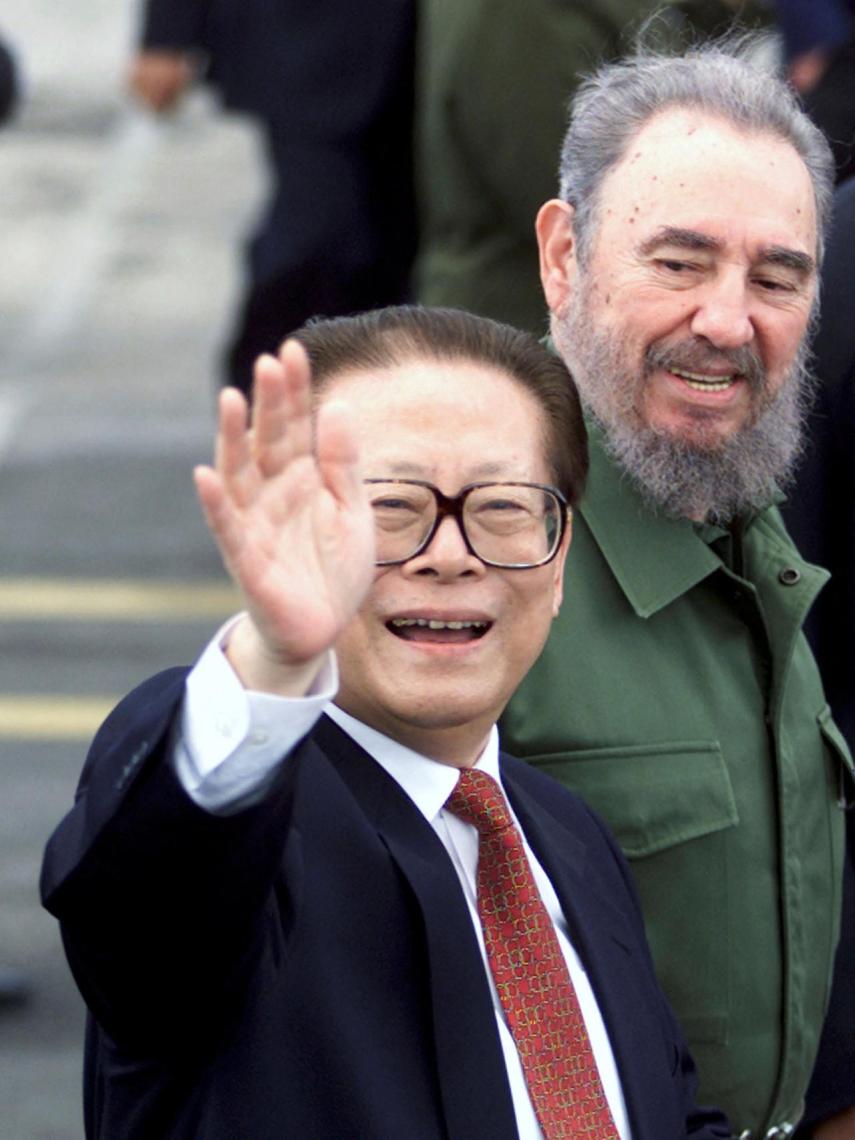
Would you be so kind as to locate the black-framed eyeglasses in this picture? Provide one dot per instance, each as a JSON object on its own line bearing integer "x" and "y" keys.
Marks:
{"x": 512, "y": 526}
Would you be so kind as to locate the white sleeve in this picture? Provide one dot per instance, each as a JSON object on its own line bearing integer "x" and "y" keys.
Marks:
{"x": 229, "y": 742}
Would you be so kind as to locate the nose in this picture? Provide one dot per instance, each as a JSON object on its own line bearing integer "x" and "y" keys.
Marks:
{"x": 723, "y": 314}
{"x": 446, "y": 555}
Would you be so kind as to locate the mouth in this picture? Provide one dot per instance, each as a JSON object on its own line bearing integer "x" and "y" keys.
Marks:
{"x": 702, "y": 382}
{"x": 437, "y": 631}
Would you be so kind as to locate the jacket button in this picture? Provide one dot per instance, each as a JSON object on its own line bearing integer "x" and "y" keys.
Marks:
{"x": 789, "y": 576}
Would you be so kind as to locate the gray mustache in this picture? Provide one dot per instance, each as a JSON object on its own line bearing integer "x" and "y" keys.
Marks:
{"x": 698, "y": 355}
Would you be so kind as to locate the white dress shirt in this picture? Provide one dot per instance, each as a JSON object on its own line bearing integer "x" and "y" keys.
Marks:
{"x": 227, "y": 761}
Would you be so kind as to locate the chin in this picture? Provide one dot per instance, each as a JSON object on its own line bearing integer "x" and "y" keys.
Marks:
{"x": 703, "y": 433}
{"x": 449, "y": 706}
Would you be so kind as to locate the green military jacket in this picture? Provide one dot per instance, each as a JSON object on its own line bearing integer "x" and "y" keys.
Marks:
{"x": 495, "y": 78}
{"x": 678, "y": 695}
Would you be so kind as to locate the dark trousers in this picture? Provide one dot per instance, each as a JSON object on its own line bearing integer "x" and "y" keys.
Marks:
{"x": 8, "y": 82}
{"x": 337, "y": 237}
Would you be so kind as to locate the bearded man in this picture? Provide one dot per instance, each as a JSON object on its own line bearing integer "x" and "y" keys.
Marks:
{"x": 677, "y": 692}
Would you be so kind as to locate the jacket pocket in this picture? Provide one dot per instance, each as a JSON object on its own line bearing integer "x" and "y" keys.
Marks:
{"x": 653, "y": 795}
{"x": 843, "y": 768}
{"x": 672, "y": 809}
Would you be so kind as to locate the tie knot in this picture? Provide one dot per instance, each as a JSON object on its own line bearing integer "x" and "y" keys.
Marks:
{"x": 479, "y": 800}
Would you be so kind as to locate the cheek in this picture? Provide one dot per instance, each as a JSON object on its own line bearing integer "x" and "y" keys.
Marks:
{"x": 354, "y": 646}
{"x": 532, "y": 619}
{"x": 781, "y": 345}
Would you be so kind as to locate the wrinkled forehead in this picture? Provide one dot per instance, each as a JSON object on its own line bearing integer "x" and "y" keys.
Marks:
{"x": 685, "y": 163}
{"x": 426, "y": 414}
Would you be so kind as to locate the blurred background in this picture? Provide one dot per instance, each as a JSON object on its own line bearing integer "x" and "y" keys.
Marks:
{"x": 119, "y": 266}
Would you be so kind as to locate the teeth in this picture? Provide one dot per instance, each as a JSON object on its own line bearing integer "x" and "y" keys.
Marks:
{"x": 425, "y": 623}
{"x": 703, "y": 383}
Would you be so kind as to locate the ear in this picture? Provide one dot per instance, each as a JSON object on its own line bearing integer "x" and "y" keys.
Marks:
{"x": 555, "y": 241}
{"x": 558, "y": 566}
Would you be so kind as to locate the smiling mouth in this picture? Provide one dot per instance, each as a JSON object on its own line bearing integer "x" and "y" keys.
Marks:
{"x": 702, "y": 383}
{"x": 432, "y": 630}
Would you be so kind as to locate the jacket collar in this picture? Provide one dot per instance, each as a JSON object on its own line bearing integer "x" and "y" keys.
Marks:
{"x": 655, "y": 559}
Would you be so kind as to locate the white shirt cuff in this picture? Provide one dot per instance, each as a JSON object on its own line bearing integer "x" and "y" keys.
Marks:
{"x": 231, "y": 740}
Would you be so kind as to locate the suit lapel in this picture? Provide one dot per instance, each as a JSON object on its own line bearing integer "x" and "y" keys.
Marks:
{"x": 608, "y": 939}
{"x": 473, "y": 1079}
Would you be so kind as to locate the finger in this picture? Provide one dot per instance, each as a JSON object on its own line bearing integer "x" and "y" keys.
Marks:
{"x": 270, "y": 415}
{"x": 282, "y": 420}
{"x": 233, "y": 459}
{"x": 338, "y": 453}
{"x": 298, "y": 377}
{"x": 222, "y": 519}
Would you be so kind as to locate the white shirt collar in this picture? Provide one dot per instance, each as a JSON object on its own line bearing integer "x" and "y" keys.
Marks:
{"x": 427, "y": 782}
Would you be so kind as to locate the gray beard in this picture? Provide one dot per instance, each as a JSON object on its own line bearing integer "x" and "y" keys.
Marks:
{"x": 682, "y": 478}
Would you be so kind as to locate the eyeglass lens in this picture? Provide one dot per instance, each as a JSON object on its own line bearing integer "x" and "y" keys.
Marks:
{"x": 510, "y": 524}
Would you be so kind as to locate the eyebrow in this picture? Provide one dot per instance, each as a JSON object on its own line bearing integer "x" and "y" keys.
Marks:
{"x": 405, "y": 469}
{"x": 676, "y": 236}
{"x": 787, "y": 258}
{"x": 682, "y": 239}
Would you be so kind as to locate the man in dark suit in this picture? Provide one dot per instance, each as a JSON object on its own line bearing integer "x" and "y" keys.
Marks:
{"x": 330, "y": 85}
{"x": 280, "y": 893}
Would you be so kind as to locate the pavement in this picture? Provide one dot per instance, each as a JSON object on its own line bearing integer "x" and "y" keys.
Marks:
{"x": 119, "y": 247}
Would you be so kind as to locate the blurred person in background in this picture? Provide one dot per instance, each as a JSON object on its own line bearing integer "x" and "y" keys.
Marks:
{"x": 330, "y": 85}
{"x": 495, "y": 78}
{"x": 819, "y": 50}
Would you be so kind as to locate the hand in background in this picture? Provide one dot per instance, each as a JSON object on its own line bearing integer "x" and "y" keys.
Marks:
{"x": 292, "y": 522}
{"x": 838, "y": 1127}
{"x": 805, "y": 71}
{"x": 159, "y": 77}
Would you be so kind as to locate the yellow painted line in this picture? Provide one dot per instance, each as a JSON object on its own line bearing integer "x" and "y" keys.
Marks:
{"x": 110, "y": 599}
{"x": 48, "y": 718}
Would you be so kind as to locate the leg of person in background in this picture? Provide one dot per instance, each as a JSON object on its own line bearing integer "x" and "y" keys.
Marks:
{"x": 331, "y": 242}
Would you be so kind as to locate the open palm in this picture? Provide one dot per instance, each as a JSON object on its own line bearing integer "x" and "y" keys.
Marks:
{"x": 287, "y": 508}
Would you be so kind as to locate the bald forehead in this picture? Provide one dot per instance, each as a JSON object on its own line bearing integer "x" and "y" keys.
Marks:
{"x": 685, "y": 165}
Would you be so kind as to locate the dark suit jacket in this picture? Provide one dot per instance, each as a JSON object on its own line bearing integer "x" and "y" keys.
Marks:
{"x": 324, "y": 67}
{"x": 307, "y": 968}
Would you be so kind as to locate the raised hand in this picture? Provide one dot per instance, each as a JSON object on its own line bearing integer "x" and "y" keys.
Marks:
{"x": 292, "y": 522}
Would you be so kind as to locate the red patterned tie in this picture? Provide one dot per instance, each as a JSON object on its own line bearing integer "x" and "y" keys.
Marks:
{"x": 537, "y": 995}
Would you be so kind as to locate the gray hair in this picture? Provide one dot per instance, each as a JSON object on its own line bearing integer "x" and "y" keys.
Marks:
{"x": 612, "y": 105}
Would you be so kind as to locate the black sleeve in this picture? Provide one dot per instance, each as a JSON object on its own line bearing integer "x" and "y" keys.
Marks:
{"x": 178, "y": 24}
{"x": 160, "y": 903}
